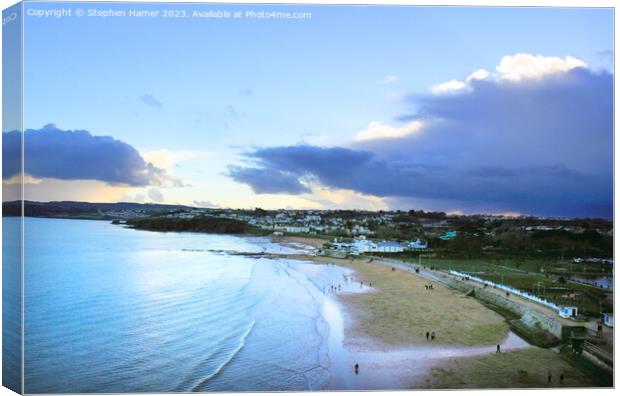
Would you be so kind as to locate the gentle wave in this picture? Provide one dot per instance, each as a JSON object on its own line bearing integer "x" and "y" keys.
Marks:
{"x": 218, "y": 370}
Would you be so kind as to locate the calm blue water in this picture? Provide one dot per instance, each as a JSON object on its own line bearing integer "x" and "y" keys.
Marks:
{"x": 109, "y": 309}
{"x": 11, "y": 303}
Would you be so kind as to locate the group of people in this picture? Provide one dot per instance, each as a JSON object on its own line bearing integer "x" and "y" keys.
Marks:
{"x": 338, "y": 287}
{"x": 347, "y": 279}
{"x": 429, "y": 287}
{"x": 369, "y": 284}
{"x": 333, "y": 288}
{"x": 431, "y": 335}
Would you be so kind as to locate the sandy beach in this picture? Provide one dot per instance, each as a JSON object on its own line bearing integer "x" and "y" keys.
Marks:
{"x": 384, "y": 332}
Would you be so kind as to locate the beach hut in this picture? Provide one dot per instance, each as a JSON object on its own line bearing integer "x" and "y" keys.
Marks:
{"x": 568, "y": 312}
{"x": 608, "y": 319}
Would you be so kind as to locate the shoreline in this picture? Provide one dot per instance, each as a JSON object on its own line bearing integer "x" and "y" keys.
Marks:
{"x": 385, "y": 367}
{"x": 389, "y": 362}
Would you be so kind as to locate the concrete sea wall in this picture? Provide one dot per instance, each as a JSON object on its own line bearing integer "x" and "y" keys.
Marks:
{"x": 529, "y": 320}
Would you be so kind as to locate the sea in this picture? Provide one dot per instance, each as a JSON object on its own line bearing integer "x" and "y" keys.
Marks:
{"x": 113, "y": 309}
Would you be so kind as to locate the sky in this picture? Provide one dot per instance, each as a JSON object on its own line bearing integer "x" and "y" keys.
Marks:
{"x": 464, "y": 110}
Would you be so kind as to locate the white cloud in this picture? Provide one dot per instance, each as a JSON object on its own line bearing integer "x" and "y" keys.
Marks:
{"x": 451, "y": 86}
{"x": 17, "y": 179}
{"x": 479, "y": 74}
{"x": 75, "y": 190}
{"x": 388, "y": 79}
{"x": 155, "y": 195}
{"x": 205, "y": 204}
{"x": 330, "y": 198}
{"x": 513, "y": 68}
{"x": 137, "y": 198}
{"x": 377, "y": 130}
{"x": 520, "y": 66}
{"x": 165, "y": 158}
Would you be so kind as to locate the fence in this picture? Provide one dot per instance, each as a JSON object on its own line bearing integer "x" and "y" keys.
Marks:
{"x": 510, "y": 290}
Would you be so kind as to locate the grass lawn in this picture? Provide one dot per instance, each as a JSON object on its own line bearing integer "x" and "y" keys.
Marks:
{"x": 505, "y": 267}
{"x": 505, "y": 272}
{"x": 401, "y": 311}
{"x": 525, "y": 368}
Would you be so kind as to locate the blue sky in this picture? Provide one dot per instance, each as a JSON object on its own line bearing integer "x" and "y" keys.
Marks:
{"x": 196, "y": 97}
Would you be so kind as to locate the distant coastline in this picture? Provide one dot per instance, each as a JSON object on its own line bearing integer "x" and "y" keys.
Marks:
{"x": 114, "y": 210}
{"x": 204, "y": 224}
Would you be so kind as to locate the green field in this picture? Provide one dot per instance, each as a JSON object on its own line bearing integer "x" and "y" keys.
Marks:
{"x": 526, "y": 276}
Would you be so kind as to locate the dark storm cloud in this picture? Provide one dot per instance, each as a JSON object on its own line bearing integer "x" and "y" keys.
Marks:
{"x": 268, "y": 180}
{"x": 540, "y": 146}
{"x": 77, "y": 155}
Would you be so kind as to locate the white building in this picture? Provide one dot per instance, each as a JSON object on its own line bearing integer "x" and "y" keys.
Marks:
{"x": 417, "y": 244}
{"x": 390, "y": 247}
{"x": 313, "y": 218}
{"x": 568, "y": 312}
{"x": 360, "y": 230}
{"x": 297, "y": 229}
{"x": 362, "y": 245}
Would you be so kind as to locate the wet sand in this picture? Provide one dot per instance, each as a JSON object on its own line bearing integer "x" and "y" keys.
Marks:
{"x": 384, "y": 365}
{"x": 408, "y": 368}
{"x": 398, "y": 356}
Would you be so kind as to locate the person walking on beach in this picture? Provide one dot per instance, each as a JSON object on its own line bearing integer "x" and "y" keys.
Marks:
{"x": 357, "y": 368}
{"x": 549, "y": 377}
{"x": 433, "y": 335}
{"x": 427, "y": 335}
{"x": 562, "y": 378}
{"x": 498, "y": 349}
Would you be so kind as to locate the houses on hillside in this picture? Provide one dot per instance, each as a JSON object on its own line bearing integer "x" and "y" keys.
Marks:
{"x": 593, "y": 260}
